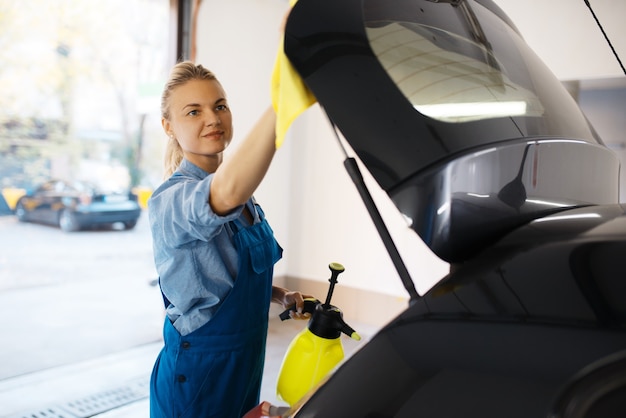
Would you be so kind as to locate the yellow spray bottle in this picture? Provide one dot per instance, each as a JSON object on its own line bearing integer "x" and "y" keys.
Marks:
{"x": 315, "y": 350}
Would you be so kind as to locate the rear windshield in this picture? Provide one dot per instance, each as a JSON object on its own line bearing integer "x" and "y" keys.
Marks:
{"x": 472, "y": 66}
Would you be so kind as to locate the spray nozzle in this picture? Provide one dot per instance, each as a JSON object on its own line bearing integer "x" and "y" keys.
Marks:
{"x": 346, "y": 329}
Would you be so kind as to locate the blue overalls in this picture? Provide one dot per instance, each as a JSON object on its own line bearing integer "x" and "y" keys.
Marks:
{"x": 216, "y": 370}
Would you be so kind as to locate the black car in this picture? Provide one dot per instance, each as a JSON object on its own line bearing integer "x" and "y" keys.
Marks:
{"x": 501, "y": 175}
{"x": 77, "y": 205}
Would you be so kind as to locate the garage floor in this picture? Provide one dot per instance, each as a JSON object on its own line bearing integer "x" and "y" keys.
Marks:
{"x": 116, "y": 385}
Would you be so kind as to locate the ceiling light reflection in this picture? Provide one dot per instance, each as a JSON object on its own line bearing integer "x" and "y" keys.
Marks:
{"x": 569, "y": 217}
{"x": 548, "y": 203}
{"x": 473, "y": 109}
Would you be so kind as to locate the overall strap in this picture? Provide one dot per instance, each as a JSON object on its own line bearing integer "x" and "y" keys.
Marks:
{"x": 166, "y": 301}
{"x": 236, "y": 225}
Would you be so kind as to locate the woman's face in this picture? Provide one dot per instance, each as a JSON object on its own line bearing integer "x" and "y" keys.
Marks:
{"x": 201, "y": 121}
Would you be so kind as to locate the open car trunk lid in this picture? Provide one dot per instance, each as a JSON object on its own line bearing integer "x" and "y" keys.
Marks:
{"x": 454, "y": 116}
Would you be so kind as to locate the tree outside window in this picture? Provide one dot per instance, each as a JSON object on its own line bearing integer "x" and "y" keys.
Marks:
{"x": 80, "y": 84}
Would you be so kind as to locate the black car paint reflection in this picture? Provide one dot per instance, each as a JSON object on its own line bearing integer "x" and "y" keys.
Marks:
{"x": 77, "y": 205}
{"x": 504, "y": 334}
{"x": 521, "y": 201}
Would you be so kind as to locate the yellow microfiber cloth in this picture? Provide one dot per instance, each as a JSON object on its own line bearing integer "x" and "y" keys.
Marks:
{"x": 290, "y": 96}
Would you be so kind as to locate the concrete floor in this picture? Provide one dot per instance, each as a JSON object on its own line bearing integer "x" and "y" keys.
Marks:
{"x": 82, "y": 323}
{"x": 116, "y": 385}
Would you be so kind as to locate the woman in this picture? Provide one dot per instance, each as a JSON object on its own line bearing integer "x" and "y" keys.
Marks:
{"x": 214, "y": 252}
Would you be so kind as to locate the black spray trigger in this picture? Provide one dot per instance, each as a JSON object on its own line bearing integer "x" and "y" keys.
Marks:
{"x": 309, "y": 307}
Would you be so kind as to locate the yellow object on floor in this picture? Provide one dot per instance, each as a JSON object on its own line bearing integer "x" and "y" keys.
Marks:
{"x": 290, "y": 96}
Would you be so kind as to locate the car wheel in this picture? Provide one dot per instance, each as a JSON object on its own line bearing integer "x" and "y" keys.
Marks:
{"x": 130, "y": 224}
{"x": 68, "y": 221}
{"x": 20, "y": 212}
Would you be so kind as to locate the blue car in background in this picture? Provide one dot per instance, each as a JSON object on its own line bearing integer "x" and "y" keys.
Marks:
{"x": 76, "y": 205}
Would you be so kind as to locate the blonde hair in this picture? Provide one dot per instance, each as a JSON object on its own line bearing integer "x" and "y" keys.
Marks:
{"x": 181, "y": 73}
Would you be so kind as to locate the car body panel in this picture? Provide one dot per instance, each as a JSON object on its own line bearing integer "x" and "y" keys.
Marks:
{"x": 501, "y": 335}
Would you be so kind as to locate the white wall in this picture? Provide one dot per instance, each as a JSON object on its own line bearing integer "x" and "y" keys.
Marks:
{"x": 311, "y": 202}
{"x": 329, "y": 221}
{"x": 566, "y": 37}
{"x": 238, "y": 41}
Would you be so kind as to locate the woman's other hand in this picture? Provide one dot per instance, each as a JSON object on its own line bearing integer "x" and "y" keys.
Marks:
{"x": 288, "y": 299}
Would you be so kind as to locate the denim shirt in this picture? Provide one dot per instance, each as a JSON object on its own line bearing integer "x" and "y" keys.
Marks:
{"x": 193, "y": 250}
